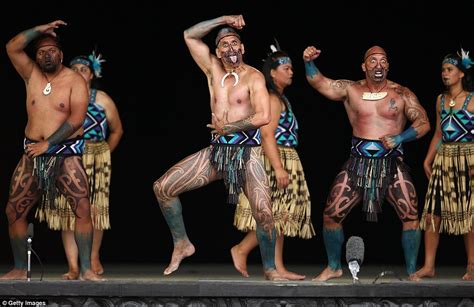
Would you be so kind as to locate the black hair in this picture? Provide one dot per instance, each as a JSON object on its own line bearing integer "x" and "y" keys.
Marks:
{"x": 271, "y": 63}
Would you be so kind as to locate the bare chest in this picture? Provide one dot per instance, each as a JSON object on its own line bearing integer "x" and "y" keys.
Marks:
{"x": 389, "y": 107}
{"x": 44, "y": 102}
{"x": 231, "y": 98}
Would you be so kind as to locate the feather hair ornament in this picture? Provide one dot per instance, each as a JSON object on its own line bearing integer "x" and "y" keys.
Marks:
{"x": 97, "y": 61}
{"x": 273, "y": 48}
{"x": 465, "y": 60}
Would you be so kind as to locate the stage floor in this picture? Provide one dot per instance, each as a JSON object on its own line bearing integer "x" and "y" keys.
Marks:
{"x": 226, "y": 272}
{"x": 222, "y": 285}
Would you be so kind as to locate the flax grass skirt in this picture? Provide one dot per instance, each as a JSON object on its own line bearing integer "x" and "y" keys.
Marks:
{"x": 97, "y": 163}
{"x": 291, "y": 206}
{"x": 450, "y": 191}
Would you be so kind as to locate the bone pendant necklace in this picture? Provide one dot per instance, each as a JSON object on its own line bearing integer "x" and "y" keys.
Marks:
{"x": 47, "y": 89}
{"x": 233, "y": 73}
{"x": 452, "y": 103}
{"x": 374, "y": 95}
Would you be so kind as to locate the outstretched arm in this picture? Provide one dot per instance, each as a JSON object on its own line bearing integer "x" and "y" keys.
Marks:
{"x": 193, "y": 38}
{"x": 331, "y": 89}
{"x": 416, "y": 114}
{"x": 15, "y": 47}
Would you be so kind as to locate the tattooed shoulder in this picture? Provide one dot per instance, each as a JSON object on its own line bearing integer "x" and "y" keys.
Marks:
{"x": 341, "y": 84}
{"x": 403, "y": 92}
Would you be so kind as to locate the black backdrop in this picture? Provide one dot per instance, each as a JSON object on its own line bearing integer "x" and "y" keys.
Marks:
{"x": 163, "y": 100}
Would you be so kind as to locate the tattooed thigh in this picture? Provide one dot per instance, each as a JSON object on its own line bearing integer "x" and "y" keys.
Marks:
{"x": 192, "y": 172}
{"x": 401, "y": 194}
{"x": 72, "y": 181}
{"x": 257, "y": 190}
{"x": 24, "y": 192}
{"x": 343, "y": 196}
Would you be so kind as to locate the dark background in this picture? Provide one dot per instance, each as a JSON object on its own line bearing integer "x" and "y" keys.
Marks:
{"x": 163, "y": 101}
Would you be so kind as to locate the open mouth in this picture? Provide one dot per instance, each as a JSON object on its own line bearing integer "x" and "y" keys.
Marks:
{"x": 378, "y": 74}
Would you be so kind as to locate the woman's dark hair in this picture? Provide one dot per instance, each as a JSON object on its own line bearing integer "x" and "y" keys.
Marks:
{"x": 271, "y": 62}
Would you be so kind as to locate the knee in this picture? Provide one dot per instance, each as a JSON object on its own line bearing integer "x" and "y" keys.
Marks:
{"x": 10, "y": 213}
{"x": 160, "y": 191}
{"x": 432, "y": 221}
{"x": 411, "y": 224}
{"x": 331, "y": 221}
{"x": 83, "y": 209}
{"x": 264, "y": 220}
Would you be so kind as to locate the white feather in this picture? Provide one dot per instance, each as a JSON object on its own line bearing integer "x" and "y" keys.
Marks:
{"x": 273, "y": 48}
{"x": 464, "y": 54}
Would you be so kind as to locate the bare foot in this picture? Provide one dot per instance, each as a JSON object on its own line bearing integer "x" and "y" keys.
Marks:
{"x": 71, "y": 275}
{"x": 327, "y": 274}
{"x": 181, "y": 250}
{"x": 97, "y": 267}
{"x": 240, "y": 260}
{"x": 468, "y": 276}
{"x": 290, "y": 275}
{"x": 469, "y": 272}
{"x": 89, "y": 275}
{"x": 15, "y": 274}
{"x": 273, "y": 275}
{"x": 425, "y": 272}
{"x": 414, "y": 277}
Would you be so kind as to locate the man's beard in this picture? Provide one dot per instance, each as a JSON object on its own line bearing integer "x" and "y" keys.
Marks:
{"x": 238, "y": 58}
{"x": 48, "y": 67}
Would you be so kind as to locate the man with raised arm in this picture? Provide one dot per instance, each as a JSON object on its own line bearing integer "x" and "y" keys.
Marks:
{"x": 239, "y": 103}
{"x": 56, "y": 105}
{"x": 378, "y": 110}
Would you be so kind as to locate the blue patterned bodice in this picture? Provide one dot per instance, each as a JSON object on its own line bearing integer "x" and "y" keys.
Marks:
{"x": 457, "y": 125}
{"x": 95, "y": 124}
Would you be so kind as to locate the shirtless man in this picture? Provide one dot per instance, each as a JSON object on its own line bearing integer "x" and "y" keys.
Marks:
{"x": 378, "y": 110}
{"x": 56, "y": 104}
{"x": 240, "y": 105}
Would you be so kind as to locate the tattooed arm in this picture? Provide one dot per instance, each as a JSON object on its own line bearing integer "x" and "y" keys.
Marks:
{"x": 416, "y": 114}
{"x": 332, "y": 89}
{"x": 193, "y": 38}
{"x": 15, "y": 47}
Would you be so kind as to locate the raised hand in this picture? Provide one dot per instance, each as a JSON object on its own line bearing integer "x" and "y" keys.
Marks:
{"x": 236, "y": 21}
{"x": 50, "y": 27}
{"x": 311, "y": 53}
